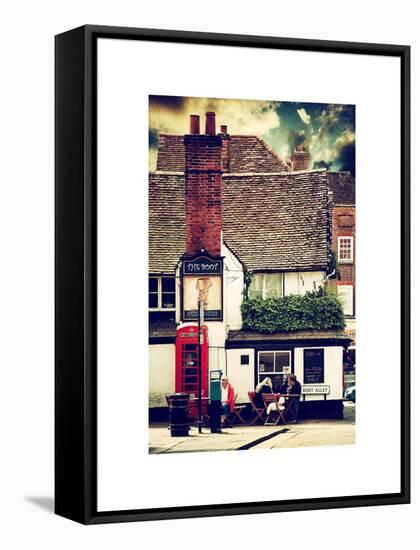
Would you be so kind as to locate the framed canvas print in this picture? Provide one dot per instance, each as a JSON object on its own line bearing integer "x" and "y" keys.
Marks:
{"x": 232, "y": 239}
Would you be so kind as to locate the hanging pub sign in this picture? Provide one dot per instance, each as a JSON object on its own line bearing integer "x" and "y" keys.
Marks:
{"x": 202, "y": 281}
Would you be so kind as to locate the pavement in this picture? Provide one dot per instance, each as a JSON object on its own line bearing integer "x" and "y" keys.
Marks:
{"x": 307, "y": 433}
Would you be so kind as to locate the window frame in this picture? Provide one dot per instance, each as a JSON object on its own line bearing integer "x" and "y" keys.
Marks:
{"x": 160, "y": 292}
{"x": 262, "y": 375}
{"x": 263, "y": 287}
{"x": 346, "y": 286}
{"x": 339, "y": 241}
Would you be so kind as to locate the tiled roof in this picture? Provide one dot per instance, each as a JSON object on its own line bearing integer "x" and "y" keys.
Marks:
{"x": 246, "y": 153}
{"x": 342, "y": 185}
{"x": 276, "y": 221}
{"x": 171, "y": 153}
{"x": 269, "y": 220}
{"x": 166, "y": 221}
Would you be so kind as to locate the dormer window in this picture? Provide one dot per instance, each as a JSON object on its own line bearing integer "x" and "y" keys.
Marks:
{"x": 162, "y": 293}
{"x": 266, "y": 285}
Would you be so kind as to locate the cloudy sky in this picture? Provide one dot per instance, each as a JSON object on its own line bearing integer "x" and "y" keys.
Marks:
{"x": 327, "y": 131}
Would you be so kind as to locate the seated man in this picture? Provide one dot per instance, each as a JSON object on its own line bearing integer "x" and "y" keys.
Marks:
{"x": 282, "y": 386}
{"x": 228, "y": 401}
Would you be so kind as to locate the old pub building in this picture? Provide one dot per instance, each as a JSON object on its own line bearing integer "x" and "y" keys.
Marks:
{"x": 230, "y": 221}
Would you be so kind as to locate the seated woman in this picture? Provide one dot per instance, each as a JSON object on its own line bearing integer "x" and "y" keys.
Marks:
{"x": 228, "y": 401}
{"x": 265, "y": 386}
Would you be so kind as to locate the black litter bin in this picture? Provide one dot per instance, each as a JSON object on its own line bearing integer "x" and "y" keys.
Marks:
{"x": 178, "y": 414}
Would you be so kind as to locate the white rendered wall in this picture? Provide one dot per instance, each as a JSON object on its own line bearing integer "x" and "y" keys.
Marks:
{"x": 333, "y": 370}
{"x": 161, "y": 373}
{"x": 233, "y": 283}
{"x": 233, "y": 287}
{"x": 241, "y": 376}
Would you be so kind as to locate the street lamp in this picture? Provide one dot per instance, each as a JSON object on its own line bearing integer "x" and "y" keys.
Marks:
{"x": 200, "y": 341}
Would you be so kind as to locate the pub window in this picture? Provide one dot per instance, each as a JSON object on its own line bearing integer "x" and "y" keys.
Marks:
{"x": 162, "y": 293}
{"x": 266, "y": 285}
{"x": 345, "y": 250}
{"x": 273, "y": 364}
{"x": 313, "y": 366}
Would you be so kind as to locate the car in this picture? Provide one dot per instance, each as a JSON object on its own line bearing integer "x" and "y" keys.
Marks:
{"x": 350, "y": 393}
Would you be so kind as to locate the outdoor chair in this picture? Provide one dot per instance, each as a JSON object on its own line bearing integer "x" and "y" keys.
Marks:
{"x": 237, "y": 412}
{"x": 287, "y": 413}
{"x": 257, "y": 410}
{"x": 276, "y": 415}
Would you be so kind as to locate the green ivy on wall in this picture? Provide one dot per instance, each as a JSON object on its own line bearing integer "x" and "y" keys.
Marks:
{"x": 318, "y": 309}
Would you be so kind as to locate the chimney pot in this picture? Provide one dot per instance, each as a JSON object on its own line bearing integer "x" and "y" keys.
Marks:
{"x": 210, "y": 123}
{"x": 300, "y": 159}
{"x": 223, "y": 129}
{"x": 194, "y": 124}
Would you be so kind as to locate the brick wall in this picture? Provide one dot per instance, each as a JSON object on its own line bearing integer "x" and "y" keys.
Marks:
{"x": 344, "y": 225}
{"x": 225, "y": 148}
{"x": 203, "y": 192}
{"x": 299, "y": 160}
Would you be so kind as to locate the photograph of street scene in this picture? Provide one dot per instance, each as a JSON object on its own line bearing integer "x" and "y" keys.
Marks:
{"x": 252, "y": 285}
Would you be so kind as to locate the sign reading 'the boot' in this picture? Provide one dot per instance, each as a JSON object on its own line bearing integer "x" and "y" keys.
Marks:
{"x": 202, "y": 281}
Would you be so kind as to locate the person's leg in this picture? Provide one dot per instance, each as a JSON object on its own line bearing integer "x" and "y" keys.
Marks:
{"x": 297, "y": 409}
{"x": 225, "y": 413}
{"x": 294, "y": 408}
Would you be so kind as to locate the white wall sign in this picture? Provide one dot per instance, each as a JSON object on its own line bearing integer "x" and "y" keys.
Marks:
{"x": 309, "y": 390}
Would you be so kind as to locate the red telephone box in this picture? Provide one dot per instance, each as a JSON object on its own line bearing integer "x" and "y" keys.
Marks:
{"x": 186, "y": 370}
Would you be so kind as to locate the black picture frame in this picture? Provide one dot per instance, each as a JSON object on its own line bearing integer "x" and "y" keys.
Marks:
{"x": 76, "y": 273}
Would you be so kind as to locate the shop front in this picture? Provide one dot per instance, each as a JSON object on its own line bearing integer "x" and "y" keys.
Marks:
{"x": 315, "y": 357}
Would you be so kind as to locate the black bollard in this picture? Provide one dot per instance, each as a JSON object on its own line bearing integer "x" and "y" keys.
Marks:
{"x": 214, "y": 413}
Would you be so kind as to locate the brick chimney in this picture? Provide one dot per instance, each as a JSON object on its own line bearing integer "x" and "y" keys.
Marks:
{"x": 203, "y": 188}
{"x": 225, "y": 148}
{"x": 300, "y": 159}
